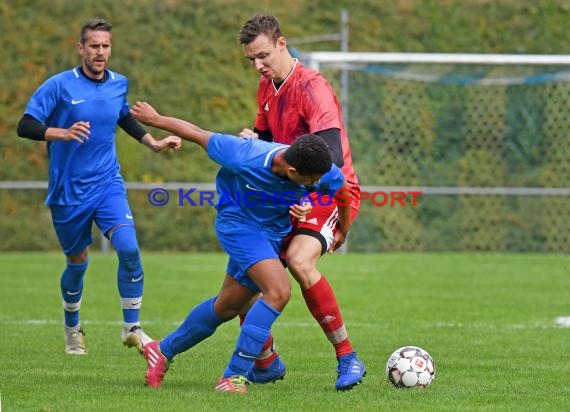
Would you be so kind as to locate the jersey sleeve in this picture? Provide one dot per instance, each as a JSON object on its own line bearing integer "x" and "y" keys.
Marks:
{"x": 320, "y": 106}
{"x": 331, "y": 181}
{"x": 228, "y": 151}
{"x": 44, "y": 100}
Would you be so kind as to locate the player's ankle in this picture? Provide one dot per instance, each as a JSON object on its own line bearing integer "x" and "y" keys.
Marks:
{"x": 264, "y": 363}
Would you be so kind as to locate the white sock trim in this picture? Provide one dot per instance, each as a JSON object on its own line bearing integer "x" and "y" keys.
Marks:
{"x": 131, "y": 303}
{"x": 71, "y": 307}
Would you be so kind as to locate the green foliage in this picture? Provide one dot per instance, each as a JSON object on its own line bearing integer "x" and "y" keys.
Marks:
{"x": 183, "y": 56}
{"x": 26, "y": 221}
{"x": 174, "y": 227}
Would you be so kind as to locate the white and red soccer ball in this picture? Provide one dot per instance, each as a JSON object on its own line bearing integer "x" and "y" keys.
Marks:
{"x": 410, "y": 367}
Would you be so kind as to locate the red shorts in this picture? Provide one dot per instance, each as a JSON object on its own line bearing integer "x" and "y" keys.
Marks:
{"x": 321, "y": 223}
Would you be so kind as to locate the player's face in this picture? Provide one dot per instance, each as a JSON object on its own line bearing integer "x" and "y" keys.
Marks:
{"x": 268, "y": 57}
{"x": 95, "y": 53}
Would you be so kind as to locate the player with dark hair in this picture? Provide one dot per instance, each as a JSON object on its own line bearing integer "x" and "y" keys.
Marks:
{"x": 77, "y": 112}
{"x": 292, "y": 101}
{"x": 261, "y": 184}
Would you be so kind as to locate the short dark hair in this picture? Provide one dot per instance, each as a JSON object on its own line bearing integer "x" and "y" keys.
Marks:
{"x": 259, "y": 24}
{"x": 310, "y": 155}
{"x": 95, "y": 24}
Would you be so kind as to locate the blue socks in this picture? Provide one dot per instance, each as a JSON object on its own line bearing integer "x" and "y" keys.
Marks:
{"x": 254, "y": 333}
{"x": 129, "y": 278}
{"x": 72, "y": 290}
{"x": 130, "y": 275}
{"x": 200, "y": 323}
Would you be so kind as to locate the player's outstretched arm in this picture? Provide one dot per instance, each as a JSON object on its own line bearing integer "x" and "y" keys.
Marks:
{"x": 147, "y": 114}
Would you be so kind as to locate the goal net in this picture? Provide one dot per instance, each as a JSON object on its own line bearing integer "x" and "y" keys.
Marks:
{"x": 485, "y": 138}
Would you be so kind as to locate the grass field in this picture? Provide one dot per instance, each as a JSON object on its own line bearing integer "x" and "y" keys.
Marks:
{"x": 489, "y": 320}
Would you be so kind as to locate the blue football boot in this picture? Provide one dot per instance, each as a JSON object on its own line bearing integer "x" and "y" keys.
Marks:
{"x": 274, "y": 372}
{"x": 350, "y": 371}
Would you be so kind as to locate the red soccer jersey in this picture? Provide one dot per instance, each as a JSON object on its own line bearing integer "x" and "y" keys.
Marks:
{"x": 305, "y": 103}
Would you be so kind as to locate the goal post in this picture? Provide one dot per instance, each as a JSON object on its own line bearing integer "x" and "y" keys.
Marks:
{"x": 485, "y": 137}
{"x": 317, "y": 59}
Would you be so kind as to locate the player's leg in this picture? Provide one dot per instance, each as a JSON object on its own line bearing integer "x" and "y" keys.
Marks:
{"x": 72, "y": 225}
{"x": 201, "y": 322}
{"x": 130, "y": 283}
{"x": 268, "y": 367}
{"x": 72, "y": 292}
{"x": 311, "y": 240}
{"x": 270, "y": 277}
{"x": 322, "y": 304}
{"x": 114, "y": 218}
{"x": 260, "y": 270}
{"x": 302, "y": 257}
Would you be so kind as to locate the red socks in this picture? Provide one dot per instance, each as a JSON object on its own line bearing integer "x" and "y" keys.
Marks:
{"x": 322, "y": 303}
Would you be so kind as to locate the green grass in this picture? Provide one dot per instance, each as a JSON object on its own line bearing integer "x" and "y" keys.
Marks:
{"x": 489, "y": 321}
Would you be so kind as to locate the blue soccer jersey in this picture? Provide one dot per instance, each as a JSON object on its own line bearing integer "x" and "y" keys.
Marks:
{"x": 250, "y": 193}
{"x": 79, "y": 171}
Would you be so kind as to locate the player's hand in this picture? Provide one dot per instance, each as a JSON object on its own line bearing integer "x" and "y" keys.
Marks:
{"x": 79, "y": 132}
{"x": 170, "y": 142}
{"x": 342, "y": 229}
{"x": 144, "y": 112}
{"x": 301, "y": 211}
{"x": 338, "y": 241}
{"x": 173, "y": 143}
{"x": 248, "y": 133}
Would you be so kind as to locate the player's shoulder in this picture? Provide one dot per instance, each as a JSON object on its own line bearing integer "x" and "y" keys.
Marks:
{"x": 224, "y": 136}
{"x": 307, "y": 76}
{"x": 64, "y": 75}
{"x": 59, "y": 80}
{"x": 243, "y": 145}
{"x": 116, "y": 76}
{"x": 224, "y": 142}
{"x": 75, "y": 73}
{"x": 307, "y": 73}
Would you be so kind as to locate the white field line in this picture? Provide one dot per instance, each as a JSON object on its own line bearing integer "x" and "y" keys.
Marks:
{"x": 559, "y": 322}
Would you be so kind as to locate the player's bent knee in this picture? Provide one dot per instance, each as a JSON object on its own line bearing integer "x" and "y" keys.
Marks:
{"x": 124, "y": 240}
{"x": 278, "y": 297}
{"x": 227, "y": 309}
{"x": 302, "y": 261}
{"x": 305, "y": 273}
{"x": 299, "y": 265}
{"x": 79, "y": 258}
{"x": 225, "y": 313}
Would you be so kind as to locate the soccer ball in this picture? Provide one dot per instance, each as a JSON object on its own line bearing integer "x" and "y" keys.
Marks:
{"x": 410, "y": 367}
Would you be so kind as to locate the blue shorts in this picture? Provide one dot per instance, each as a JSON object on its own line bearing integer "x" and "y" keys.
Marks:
{"x": 73, "y": 223}
{"x": 246, "y": 246}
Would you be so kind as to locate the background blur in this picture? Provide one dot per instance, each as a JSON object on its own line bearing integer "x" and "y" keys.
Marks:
{"x": 183, "y": 56}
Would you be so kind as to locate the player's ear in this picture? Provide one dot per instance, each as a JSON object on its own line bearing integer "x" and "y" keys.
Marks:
{"x": 291, "y": 172}
{"x": 281, "y": 43}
